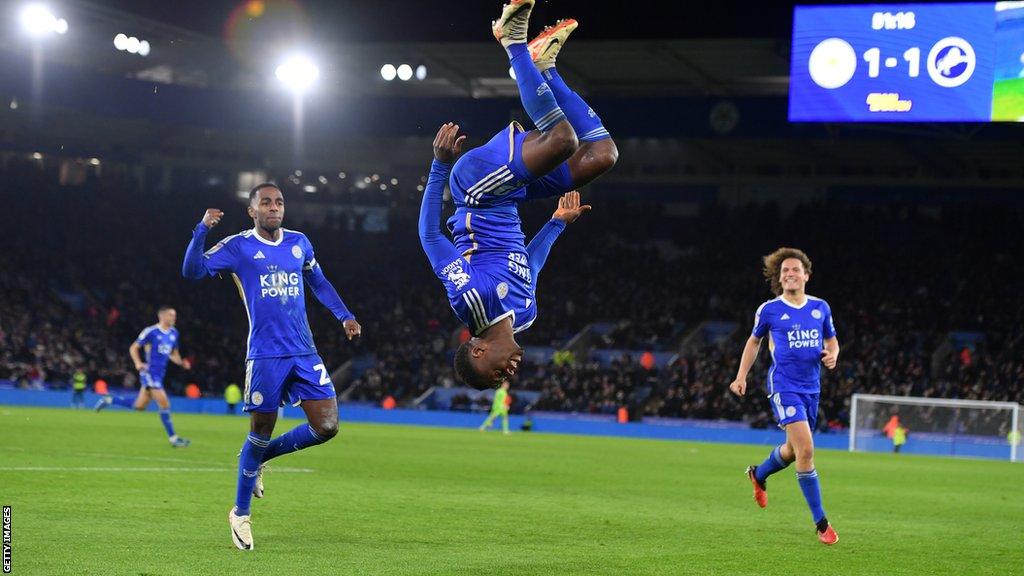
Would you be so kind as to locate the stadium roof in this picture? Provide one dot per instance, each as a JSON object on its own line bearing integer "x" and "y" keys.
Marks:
{"x": 683, "y": 67}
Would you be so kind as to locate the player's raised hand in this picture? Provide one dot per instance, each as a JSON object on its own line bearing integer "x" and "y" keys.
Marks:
{"x": 569, "y": 208}
{"x": 212, "y": 217}
{"x": 829, "y": 358}
{"x": 352, "y": 329}
{"x": 738, "y": 387}
{"x": 448, "y": 143}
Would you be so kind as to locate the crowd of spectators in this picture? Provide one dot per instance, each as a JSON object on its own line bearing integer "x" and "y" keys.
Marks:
{"x": 88, "y": 265}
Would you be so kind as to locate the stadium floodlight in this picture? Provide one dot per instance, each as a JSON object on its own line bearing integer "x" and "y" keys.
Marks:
{"x": 297, "y": 73}
{"x": 404, "y": 72}
{"x": 388, "y": 72}
{"x": 38, "y": 20}
{"x": 131, "y": 44}
{"x": 421, "y": 72}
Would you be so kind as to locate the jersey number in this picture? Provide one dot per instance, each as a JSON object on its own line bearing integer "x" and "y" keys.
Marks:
{"x": 325, "y": 378}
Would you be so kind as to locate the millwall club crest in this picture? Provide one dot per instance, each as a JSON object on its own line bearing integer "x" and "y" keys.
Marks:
{"x": 816, "y": 314}
{"x": 502, "y": 290}
{"x": 297, "y": 252}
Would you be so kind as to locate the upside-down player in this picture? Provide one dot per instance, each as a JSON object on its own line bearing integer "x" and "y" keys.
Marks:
{"x": 490, "y": 274}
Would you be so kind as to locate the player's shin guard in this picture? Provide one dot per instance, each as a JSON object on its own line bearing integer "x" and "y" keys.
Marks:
{"x": 297, "y": 438}
{"x": 248, "y": 468}
{"x": 538, "y": 100}
{"x": 165, "y": 417}
{"x": 584, "y": 120}
{"x": 812, "y": 493}
{"x": 772, "y": 464}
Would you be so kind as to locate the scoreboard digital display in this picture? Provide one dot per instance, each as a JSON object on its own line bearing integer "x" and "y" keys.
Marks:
{"x": 908, "y": 63}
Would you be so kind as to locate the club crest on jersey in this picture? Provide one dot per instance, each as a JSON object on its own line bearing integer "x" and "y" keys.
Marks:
{"x": 257, "y": 398}
{"x": 816, "y": 314}
{"x": 296, "y": 251}
{"x": 455, "y": 274}
{"x": 502, "y": 290}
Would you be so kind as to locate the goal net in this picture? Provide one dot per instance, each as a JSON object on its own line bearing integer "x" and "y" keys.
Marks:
{"x": 936, "y": 426}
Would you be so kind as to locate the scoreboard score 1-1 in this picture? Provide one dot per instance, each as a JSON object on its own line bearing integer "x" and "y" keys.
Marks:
{"x": 908, "y": 63}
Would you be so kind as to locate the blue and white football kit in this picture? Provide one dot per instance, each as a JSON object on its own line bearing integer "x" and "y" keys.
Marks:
{"x": 281, "y": 360}
{"x": 488, "y": 273}
{"x": 161, "y": 345}
{"x": 796, "y": 339}
{"x": 282, "y": 363}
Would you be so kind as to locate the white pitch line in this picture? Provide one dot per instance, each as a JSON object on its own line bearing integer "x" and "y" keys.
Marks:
{"x": 119, "y": 469}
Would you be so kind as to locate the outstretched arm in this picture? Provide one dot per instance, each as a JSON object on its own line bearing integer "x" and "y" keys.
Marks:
{"x": 439, "y": 249}
{"x": 325, "y": 292}
{"x": 569, "y": 209}
{"x": 329, "y": 297}
{"x": 195, "y": 265}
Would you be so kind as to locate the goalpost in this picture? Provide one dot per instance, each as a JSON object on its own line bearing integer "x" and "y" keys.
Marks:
{"x": 938, "y": 426}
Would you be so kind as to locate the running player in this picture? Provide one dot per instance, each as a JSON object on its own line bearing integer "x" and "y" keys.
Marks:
{"x": 271, "y": 266}
{"x": 159, "y": 343}
{"x": 801, "y": 337}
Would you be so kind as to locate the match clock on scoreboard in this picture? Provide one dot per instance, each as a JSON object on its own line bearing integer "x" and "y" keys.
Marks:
{"x": 914, "y": 62}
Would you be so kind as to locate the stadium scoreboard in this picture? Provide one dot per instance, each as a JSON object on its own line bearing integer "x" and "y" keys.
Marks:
{"x": 908, "y": 63}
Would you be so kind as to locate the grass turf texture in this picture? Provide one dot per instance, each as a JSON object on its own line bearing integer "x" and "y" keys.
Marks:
{"x": 415, "y": 500}
{"x": 1008, "y": 100}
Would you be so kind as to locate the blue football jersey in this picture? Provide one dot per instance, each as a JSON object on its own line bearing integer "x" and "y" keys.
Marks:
{"x": 487, "y": 288}
{"x": 269, "y": 276}
{"x": 487, "y": 183}
{"x": 161, "y": 345}
{"x": 496, "y": 229}
{"x": 796, "y": 337}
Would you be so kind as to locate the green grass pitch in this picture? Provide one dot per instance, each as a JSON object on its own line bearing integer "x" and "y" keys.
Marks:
{"x": 1008, "y": 100}
{"x": 105, "y": 494}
